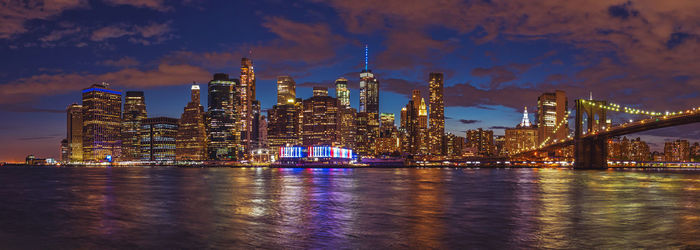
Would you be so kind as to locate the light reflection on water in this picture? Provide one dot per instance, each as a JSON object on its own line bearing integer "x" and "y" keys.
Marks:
{"x": 347, "y": 208}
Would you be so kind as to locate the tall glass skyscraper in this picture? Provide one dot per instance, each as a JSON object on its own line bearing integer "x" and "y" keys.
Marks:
{"x": 74, "y": 135}
{"x": 191, "y": 134}
{"x": 222, "y": 131}
{"x": 102, "y": 111}
{"x": 436, "y": 132}
{"x": 134, "y": 113}
{"x": 246, "y": 96}
{"x": 286, "y": 90}
{"x": 368, "y": 115}
{"x": 342, "y": 92}
{"x": 157, "y": 139}
{"x": 551, "y": 111}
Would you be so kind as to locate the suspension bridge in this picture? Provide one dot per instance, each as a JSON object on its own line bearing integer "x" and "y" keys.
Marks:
{"x": 592, "y": 130}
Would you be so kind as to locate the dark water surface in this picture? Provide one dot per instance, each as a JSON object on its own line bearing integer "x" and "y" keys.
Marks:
{"x": 168, "y": 208}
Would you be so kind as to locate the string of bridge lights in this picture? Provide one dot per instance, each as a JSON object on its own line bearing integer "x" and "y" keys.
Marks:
{"x": 618, "y": 108}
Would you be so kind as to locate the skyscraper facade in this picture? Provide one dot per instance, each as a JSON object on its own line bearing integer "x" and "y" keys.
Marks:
{"x": 437, "y": 114}
{"x": 342, "y": 92}
{"x": 284, "y": 119}
{"x": 158, "y": 139}
{"x": 522, "y": 137}
{"x": 481, "y": 140}
{"x": 102, "y": 110}
{"x": 222, "y": 131}
{"x": 551, "y": 111}
{"x": 348, "y": 126}
{"x": 368, "y": 115}
{"x": 286, "y": 90}
{"x": 74, "y": 135}
{"x": 321, "y": 119}
{"x": 246, "y": 96}
{"x": 191, "y": 139}
{"x": 134, "y": 113}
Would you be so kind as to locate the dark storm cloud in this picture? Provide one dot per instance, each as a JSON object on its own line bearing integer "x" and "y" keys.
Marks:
{"x": 464, "y": 121}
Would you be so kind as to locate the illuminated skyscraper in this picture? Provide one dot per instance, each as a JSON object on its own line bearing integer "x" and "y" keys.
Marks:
{"x": 286, "y": 90}
{"x": 437, "y": 114}
{"x": 481, "y": 140}
{"x": 403, "y": 117}
{"x": 134, "y": 112}
{"x": 102, "y": 111}
{"x": 262, "y": 132}
{"x": 411, "y": 142}
{"x": 551, "y": 112}
{"x": 246, "y": 96}
{"x": 222, "y": 133}
{"x": 321, "y": 119}
{"x": 342, "y": 92}
{"x": 387, "y": 123}
{"x": 522, "y": 137}
{"x": 191, "y": 140}
{"x": 158, "y": 139}
{"x": 74, "y": 129}
{"x": 255, "y": 129}
{"x": 348, "y": 127}
{"x": 284, "y": 119}
{"x": 368, "y": 116}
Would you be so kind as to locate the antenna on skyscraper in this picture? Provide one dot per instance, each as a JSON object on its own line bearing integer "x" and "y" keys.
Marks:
{"x": 366, "y": 57}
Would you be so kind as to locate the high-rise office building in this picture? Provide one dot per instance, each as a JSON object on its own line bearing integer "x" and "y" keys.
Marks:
{"x": 284, "y": 119}
{"x": 262, "y": 132}
{"x": 102, "y": 111}
{"x": 246, "y": 96}
{"x": 191, "y": 140}
{"x": 521, "y": 138}
{"x": 387, "y": 125}
{"x": 255, "y": 129}
{"x": 134, "y": 112}
{"x": 437, "y": 114}
{"x": 368, "y": 115}
{"x": 321, "y": 119}
{"x": 158, "y": 139}
{"x": 481, "y": 140}
{"x": 403, "y": 117}
{"x": 286, "y": 90}
{"x": 454, "y": 145}
{"x": 411, "y": 138}
{"x": 74, "y": 135}
{"x": 348, "y": 127}
{"x": 551, "y": 112}
{"x": 342, "y": 92}
{"x": 222, "y": 131}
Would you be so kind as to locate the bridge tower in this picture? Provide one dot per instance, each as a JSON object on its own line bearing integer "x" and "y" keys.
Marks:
{"x": 590, "y": 151}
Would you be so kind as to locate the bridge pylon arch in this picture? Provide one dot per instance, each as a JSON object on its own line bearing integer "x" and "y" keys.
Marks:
{"x": 590, "y": 152}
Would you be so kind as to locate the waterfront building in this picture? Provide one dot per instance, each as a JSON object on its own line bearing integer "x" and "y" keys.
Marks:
{"x": 551, "y": 112}
{"x": 191, "y": 140}
{"x": 74, "y": 133}
{"x": 65, "y": 150}
{"x": 522, "y": 137}
{"x": 262, "y": 132}
{"x": 255, "y": 129}
{"x": 454, "y": 145}
{"x": 321, "y": 119}
{"x": 348, "y": 126}
{"x": 246, "y": 97}
{"x": 423, "y": 133}
{"x": 499, "y": 142}
{"x": 286, "y": 90}
{"x": 437, "y": 114}
{"x": 134, "y": 113}
{"x": 677, "y": 151}
{"x": 222, "y": 131}
{"x": 411, "y": 136}
{"x": 628, "y": 150}
{"x": 102, "y": 111}
{"x": 342, "y": 92}
{"x": 158, "y": 139}
{"x": 482, "y": 140}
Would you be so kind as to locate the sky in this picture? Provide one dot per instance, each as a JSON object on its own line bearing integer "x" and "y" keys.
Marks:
{"x": 497, "y": 56}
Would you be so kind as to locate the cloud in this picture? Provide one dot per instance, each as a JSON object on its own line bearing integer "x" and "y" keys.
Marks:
{"x": 38, "y": 138}
{"x": 499, "y": 127}
{"x": 59, "y": 34}
{"x": 152, "y": 33}
{"x": 463, "y": 121}
{"x": 15, "y": 14}
{"x": 158, "y": 5}
{"x": 631, "y": 51}
{"x": 124, "y": 62}
{"x": 24, "y": 108}
{"x": 29, "y": 88}
{"x": 296, "y": 48}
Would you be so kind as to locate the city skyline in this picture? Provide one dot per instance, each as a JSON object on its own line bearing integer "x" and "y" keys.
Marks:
{"x": 485, "y": 86}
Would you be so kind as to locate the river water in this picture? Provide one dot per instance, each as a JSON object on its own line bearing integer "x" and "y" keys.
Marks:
{"x": 166, "y": 208}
